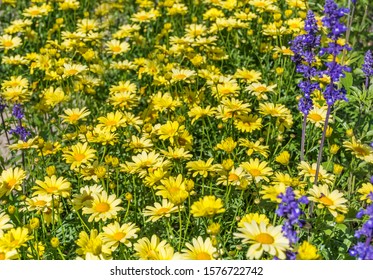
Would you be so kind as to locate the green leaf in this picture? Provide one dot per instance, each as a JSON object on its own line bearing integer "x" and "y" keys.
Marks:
{"x": 347, "y": 82}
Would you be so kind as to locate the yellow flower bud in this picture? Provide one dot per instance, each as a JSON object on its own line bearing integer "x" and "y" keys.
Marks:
{"x": 279, "y": 70}
{"x": 329, "y": 131}
{"x": 339, "y": 219}
{"x": 128, "y": 197}
{"x": 283, "y": 158}
{"x": 34, "y": 223}
{"x": 288, "y": 13}
{"x": 11, "y": 209}
{"x": 334, "y": 149}
{"x": 337, "y": 169}
{"x": 213, "y": 229}
{"x": 349, "y": 132}
{"x": 51, "y": 170}
{"x": 55, "y": 242}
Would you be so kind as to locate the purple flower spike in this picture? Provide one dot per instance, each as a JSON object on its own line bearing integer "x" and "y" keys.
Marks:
{"x": 368, "y": 64}
{"x": 18, "y": 111}
{"x": 364, "y": 250}
{"x": 290, "y": 210}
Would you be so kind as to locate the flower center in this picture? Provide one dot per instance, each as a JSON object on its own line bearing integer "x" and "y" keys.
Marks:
{"x": 40, "y": 203}
{"x": 162, "y": 211}
{"x": 203, "y": 256}
{"x": 116, "y": 49}
{"x": 73, "y": 117}
{"x": 35, "y": 12}
{"x": 11, "y": 183}
{"x": 111, "y": 122}
{"x": 52, "y": 189}
{"x": 72, "y": 71}
{"x": 327, "y": 201}
{"x": 180, "y": 76}
{"x": 261, "y": 89}
{"x": 225, "y": 91}
{"x": 102, "y": 207}
{"x": 255, "y": 172}
{"x": 8, "y": 44}
{"x": 264, "y": 238}
{"x": 233, "y": 177}
{"x": 118, "y": 235}
{"x": 361, "y": 151}
{"x": 79, "y": 157}
{"x": 315, "y": 117}
{"x": 2, "y": 256}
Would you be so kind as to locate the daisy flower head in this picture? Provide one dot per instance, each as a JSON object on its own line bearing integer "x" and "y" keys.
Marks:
{"x": 263, "y": 238}
{"x": 115, "y": 47}
{"x": 258, "y": 170}
{"x": 359, "y": 150}
{"x": 53, "y": 186}
{"x": 4, "y": 223}
{"x": 333, "y": 201}
{"x": 104, "y": 207}
{"x": 7, "y": 42}
{"x": 92, "y": 246}
{"x": 115, "y": 234}
{"x": 182, "y": 74}
{"x": 85, "y": 196}
{"x": 15, "y": 238}
{"x": 258, "y": 218}
{"x": 207, "y": 206}
{"x": 272, "y": 192}
{"x": 79, "y": 154}
{"x": 173, "y": 189}
{"x": 199, "y": 249}
{"x": 154, "y": 249}
{"x": 11, "y": 179}
{"x": 309, "y": 171}
{"x": 201, "y": 167}
{"x": 73, "y": 115}
{"x": 307, "y": 251}
{"x": 73, "y": 69}
{"x": 248, "y": 123}
{"x": 159, "y": 211}
{"x": 365, "y": 190}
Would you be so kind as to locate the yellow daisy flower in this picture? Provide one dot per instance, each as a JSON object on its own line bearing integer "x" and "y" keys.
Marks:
{"x": 359, "y": 150}
{"x": 199, "y": 249}
{"x": 114, "y": 234}
{"x": 73, "y": 69}
{"x": 14, "y": 238}
{"x": 309, "y": 171}
{"x": 207, "y": 206}
{"x": 263, "y": 238}
{"x": 258, "y": 170}
{"x": 173, "y": 189}
{"x": 103, "y": 207}
{"x": 258, "y": 218}
{"x": 248, "y": 123}
{"x": 201, "y": 167}
{"x": 53, "y": 186}
{"x": 307, "y": 251}
{"x": 333, "y": 201}
{"x": 154, "y": 249}
{"x": 4, "y": 223}
{"x": 11, "y": 179}
{"x": 159, "y": 211}
{"x": 365, "y": 190}
{"x": 117, "y": 47}
{"x": 92, "y": 246}
{"x": 79, "y": 154}
{"x": 8, "y": 42}
{"x": 73, "y": 115}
